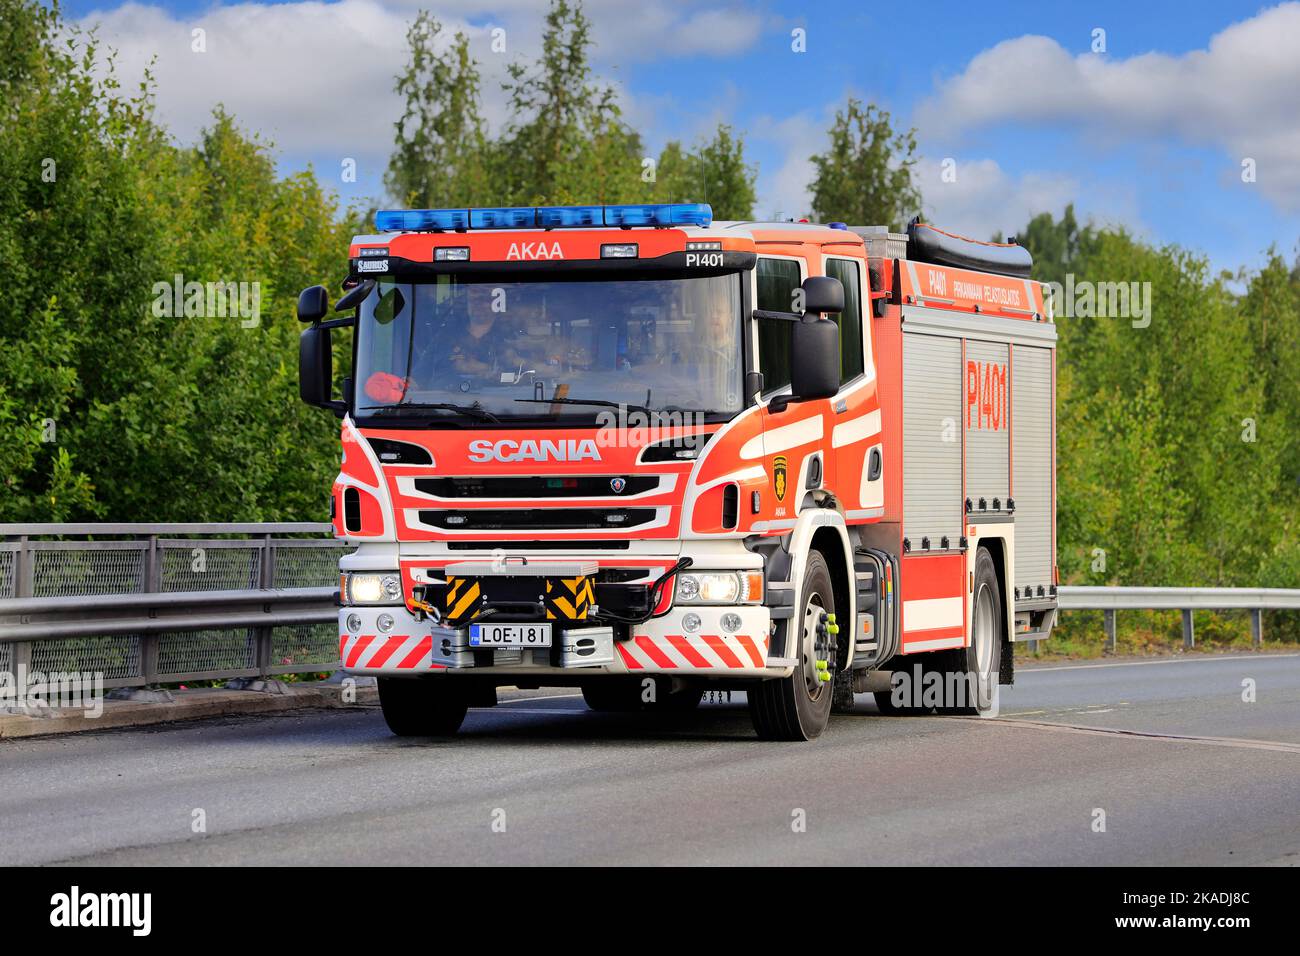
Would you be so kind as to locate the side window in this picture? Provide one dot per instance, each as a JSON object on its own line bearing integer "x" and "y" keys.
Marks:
{"x": 777, "y": 281}
{"x": 850, "y": 320}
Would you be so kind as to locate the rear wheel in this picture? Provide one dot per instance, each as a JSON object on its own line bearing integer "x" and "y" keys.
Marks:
{"x": 798, "y": 707}
{"x": 886, "y": 704}
{"x": 974, "y": 670}
{"x": 422, "y": 708}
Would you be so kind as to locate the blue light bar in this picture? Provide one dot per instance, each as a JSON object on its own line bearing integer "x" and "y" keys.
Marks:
{"x": 544, "y": 217}
{"x": 518, "y": 217}
{"x": 664, "y": 214}
{"x": 566, "y": 217}
{"x": 411, "y": 220}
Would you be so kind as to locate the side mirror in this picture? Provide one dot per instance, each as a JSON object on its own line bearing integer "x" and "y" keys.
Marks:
{"x": 316, "y": 368}
{"x": 822, "y": 295}
{"x": 815, "y": 359}
{"x": 313, "y": 303}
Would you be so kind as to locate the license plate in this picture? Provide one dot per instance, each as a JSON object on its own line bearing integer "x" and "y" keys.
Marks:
{"x": 510, "y": 635}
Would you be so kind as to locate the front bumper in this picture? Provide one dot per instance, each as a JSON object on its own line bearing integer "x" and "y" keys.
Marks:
{"x": 661, "y": 645}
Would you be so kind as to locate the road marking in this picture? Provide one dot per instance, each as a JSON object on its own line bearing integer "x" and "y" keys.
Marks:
{"x": 1274, "y": 745}
{"x": 1179, "y": 660}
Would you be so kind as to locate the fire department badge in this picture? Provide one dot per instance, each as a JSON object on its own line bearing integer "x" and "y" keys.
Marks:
{"x": 778, "y": 476}
{"x": 618, "y": 484}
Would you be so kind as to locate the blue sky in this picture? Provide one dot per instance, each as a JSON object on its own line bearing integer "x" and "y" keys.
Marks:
{"x": 1150, "y": 133}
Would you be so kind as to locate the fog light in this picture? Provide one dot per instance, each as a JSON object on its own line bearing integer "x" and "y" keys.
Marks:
{"x": 731, "y": 622}
{"x": 384, "y": 622}
{"x": 354, "y": 622}
{"x": 691, "y": 622}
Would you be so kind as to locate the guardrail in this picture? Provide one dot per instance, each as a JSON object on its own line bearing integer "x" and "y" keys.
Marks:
{"x": 164, "y": 603}
{"x": 147, "y": 604}
{"x": 1188, "y": 600}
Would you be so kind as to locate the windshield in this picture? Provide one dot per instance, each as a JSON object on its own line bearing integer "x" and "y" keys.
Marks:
{"x": 557, "y": 349}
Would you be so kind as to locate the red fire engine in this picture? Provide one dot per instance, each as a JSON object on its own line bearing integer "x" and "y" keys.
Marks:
{"x": 635, "y": 451}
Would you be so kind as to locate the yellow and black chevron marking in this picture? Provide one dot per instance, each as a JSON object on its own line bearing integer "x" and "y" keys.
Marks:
{"x": 569, "y": 598}
{"x": 463, "y": 598}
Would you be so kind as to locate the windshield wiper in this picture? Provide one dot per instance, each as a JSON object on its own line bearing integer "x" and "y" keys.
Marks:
{"x": 475, "y": 411}
{"x": 590, "y": 401}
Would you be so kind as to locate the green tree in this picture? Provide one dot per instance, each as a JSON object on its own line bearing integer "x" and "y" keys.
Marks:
{"x": 566, "y": 141}
{"x": 440, "y": 149}
{"x": 1058, "y": 246}
{"x": 714, "y": 172}
{"x": 1271, "y": 310}
{"x": 110, "y": 405}
{"x": 865, "y": 177}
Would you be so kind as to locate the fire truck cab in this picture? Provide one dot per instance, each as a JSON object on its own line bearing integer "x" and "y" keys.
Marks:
{"x": 635, "y": 451}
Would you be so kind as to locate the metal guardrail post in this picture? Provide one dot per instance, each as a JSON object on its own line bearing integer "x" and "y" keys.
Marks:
{"x": 1257, "y": 628}
{"x": 265, "y": 579}
{"x": 150, "y": 584}
{"x": 1189, "y": 629}
{"x": 20, "y": 655}
{"x": 1111, "y": 642}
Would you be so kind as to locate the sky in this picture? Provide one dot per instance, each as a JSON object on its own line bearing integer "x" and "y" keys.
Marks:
{"x": 1179, "y": 121}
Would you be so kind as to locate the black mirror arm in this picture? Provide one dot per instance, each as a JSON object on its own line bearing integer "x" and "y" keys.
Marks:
{"x": 353, "y": 296}
{"x": 787, "y": 316}
{"x": 780, "y": 403}
{"x": 347, "y": 322}
{"x": 778, "y": 316}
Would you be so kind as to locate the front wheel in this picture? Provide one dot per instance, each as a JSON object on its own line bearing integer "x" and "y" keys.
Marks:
{"x": 422, "y": 708}
{"x": 798, "y": 707}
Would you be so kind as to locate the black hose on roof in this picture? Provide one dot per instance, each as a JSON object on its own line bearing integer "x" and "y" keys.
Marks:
{"x": 925, "y": 243}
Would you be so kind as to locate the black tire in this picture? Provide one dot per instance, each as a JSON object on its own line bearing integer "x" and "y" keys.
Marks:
{"x": 885, "y": 704}
{"x": 422, "y": 708}
{"x": 843, "y": 700}
{"x": 789, "y": 708}
{"x": 626, "y": 695}
{"x": 613, "y": 695}
{"x": 980, "y": 663}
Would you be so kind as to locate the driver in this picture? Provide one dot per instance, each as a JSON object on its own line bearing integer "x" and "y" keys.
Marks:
{"x": 483, "y": 347}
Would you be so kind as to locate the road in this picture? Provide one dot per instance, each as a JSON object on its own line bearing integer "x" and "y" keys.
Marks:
{"x": 1184, "y": 770}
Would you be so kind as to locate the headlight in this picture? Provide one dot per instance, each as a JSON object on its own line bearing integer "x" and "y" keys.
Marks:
{"x": 367, "y": 588}
{"x": 720, "y": 587}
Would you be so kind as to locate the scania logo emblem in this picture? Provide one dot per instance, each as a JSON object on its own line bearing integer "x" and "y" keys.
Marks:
{"x": 618, "y": 484}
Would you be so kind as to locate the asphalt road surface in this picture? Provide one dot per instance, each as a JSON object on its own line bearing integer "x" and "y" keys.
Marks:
{"x": 1166, "y": 754}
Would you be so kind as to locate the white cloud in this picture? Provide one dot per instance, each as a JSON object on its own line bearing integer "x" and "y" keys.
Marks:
{"x": 783, "y": 192}
{"x": 623, "y": 32}
{"x": 317, "y": 78}
{"x": 1239, "y": 95}
{"x": 978, "y": 197}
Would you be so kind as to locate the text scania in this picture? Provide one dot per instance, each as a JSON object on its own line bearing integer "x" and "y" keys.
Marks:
{"x": 530, "y": 449}
{"x": 534, "y": 250}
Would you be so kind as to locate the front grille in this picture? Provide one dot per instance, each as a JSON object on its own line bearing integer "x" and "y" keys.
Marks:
{"x": 541, "y": 486}
{"x": 527, "y": 519}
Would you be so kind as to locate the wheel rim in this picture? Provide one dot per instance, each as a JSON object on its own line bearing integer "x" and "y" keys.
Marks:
{"x": 815, "y": 642}
{"x": 983, "y": 626}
